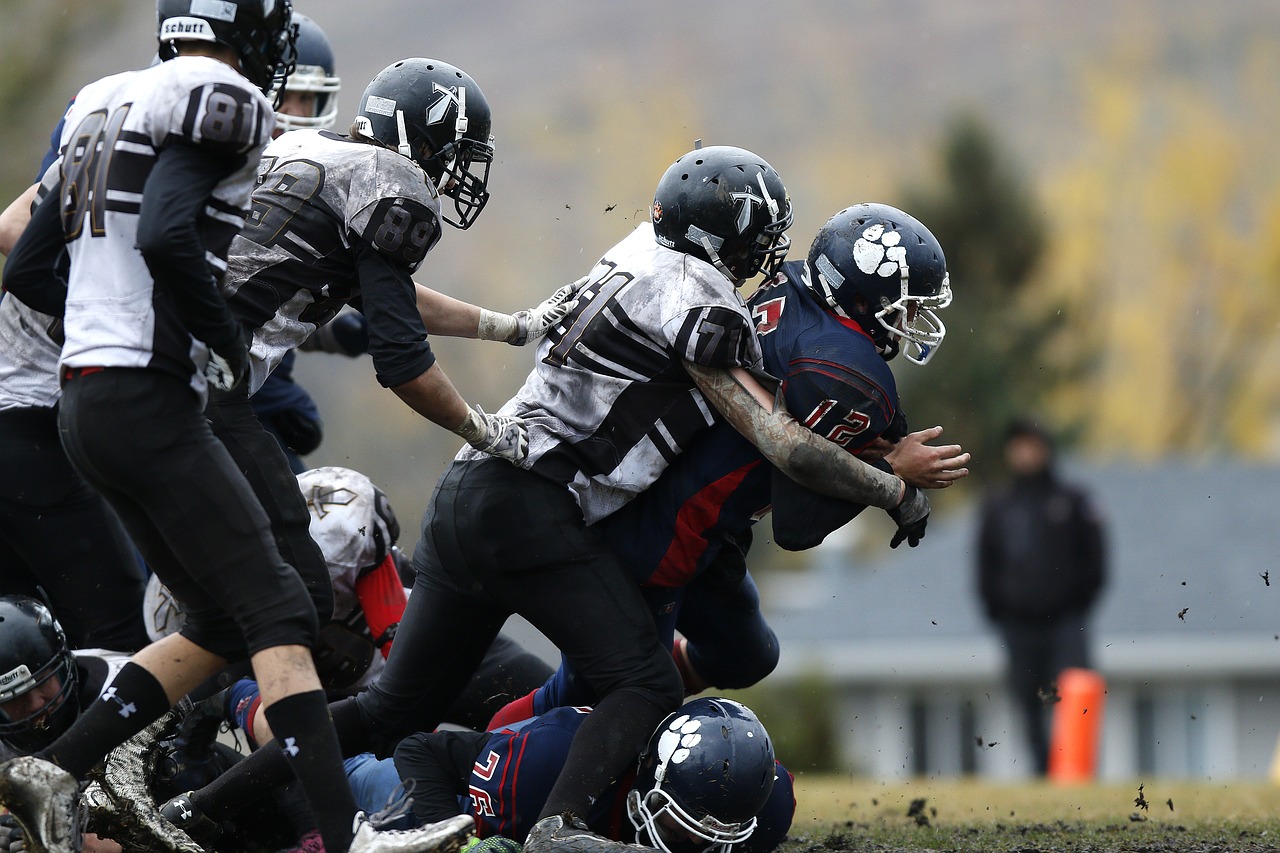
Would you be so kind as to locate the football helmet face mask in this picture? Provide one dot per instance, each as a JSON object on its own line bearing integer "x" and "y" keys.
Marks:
{"x": 436, "y": 115}
{"x": 33, "y": 653}
{"x": 261, "y": 32}
{"x": 707, "y": 772}
{"x": 882, "y": 268}
{"x": 726, "y": 206}
{"x": 313, "y": 74}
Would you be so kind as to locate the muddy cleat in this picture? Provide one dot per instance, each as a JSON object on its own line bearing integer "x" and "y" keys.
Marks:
{"x": 130, "y": 813}
{"x": 45, "y": 799}
{"x": 447, "y": 836}
{"x": 567, "y": 834}
{"x": 183, "y": 813}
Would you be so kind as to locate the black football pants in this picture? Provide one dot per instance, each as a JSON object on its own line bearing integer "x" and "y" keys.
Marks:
{"x": 498, "y": 540}
{"x": 139, "y": 437}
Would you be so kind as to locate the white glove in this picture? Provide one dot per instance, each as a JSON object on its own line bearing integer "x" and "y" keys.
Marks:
{"x": 503, "y": 436}
{"x": 226, "y": 369}
{"x": 531, "y": 324}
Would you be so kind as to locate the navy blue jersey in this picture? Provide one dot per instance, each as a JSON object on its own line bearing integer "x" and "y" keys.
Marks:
{"x": 833, "y": 381}
{"x": 517, "y": 767}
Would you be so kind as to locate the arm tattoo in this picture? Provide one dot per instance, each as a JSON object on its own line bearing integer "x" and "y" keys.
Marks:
{"x": 809, "y": 459}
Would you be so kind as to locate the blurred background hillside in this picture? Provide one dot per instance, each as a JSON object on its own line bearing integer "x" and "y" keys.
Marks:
{"x": 1104, "y": 176}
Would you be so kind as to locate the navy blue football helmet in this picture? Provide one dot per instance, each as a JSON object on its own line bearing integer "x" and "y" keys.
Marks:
{"x": 33, "y": 652}
{"x": 707, "y": 772}
{"x": 314, "y": 72}
{"x": 726, "y": 206}
{"x": 261, "y": 32}
{"x": 882, "y": 268}
{"x": 436, "y": 115}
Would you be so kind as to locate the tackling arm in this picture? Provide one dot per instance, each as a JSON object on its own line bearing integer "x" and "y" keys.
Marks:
{"x": 808, "y": 459}
{"x": 444, "y": 315}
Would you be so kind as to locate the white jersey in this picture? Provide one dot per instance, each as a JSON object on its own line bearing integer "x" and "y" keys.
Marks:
{"x": 609, "y": 404}
{"x": 322, "y": 199}
{"x": 28, "y": 357}
{"x": 114, "y": 134}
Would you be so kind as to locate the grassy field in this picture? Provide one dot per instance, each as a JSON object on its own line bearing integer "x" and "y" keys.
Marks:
{"x": 840, "y": 813}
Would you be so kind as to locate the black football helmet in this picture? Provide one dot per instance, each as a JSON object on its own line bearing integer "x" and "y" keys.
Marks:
{"x": 314, "y": 71}
{"x": 880, "y": 267}
{"x": 261, "y": 32}
{"x": 436, "y": 115}
{"x": 708, "y": 769}
{"x": 726, "y": 206}
{"x": 33, "y": 650}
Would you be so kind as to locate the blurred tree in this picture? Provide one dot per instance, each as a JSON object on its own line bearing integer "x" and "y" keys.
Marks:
{"x": 991, "y": 365}
{"x": 1165, "y": 252}
{"x": 32, "y": 86}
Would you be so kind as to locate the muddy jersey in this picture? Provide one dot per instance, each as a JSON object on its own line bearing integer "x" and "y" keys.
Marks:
{"x": 326, "y": 209}
{"x": 113, "y": 136}
{"x": 28, "y": 357}
{"x": 609, "y": 404}
{"x": 833, "y": 381}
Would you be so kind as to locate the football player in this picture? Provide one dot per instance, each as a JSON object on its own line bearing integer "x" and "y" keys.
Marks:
{"x": 283, "y": 406}
{"x": 828, "y": 326}
{"x": 154, "y": 181}
{"x": 621, "y": 386}
{"x": 356, "y": 529}
{"x": 707, "y": 780}
{"x": 54, "y": 529}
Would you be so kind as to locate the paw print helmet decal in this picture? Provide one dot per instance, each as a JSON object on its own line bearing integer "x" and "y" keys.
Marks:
{"x": 706, "y": 773}
{"x": 882, "y": 268}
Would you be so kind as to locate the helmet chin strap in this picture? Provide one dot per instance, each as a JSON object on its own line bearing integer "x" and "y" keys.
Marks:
{"x": 403, "y": 133}
{"x": 714, "y": 256}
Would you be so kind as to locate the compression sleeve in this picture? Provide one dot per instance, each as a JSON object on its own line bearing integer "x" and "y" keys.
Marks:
{"x": 388, "y": 301}
{"x": 171, "y": 242}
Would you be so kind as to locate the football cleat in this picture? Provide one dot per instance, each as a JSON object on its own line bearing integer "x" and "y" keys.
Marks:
{"x": 45, "y": 799}
{"x": 568, "y": 834}
{"x": 447, "y": 836}
{"x": 129, "y": 811}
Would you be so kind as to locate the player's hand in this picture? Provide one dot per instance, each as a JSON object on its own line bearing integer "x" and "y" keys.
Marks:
{"x": 12, "y": 839}
{"x": 911, "y": 515}
{"x": 504, "y": 436}
{"x": 534, "y": 323}
{"x": 228, "y": 363}
{"x": 928, "y": 466}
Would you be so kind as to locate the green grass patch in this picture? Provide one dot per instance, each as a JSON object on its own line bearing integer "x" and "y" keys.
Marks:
{"x": 839, "y": 813}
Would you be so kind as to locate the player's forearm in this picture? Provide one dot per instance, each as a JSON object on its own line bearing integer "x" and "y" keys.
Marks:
{"x": 446, "y": 316}
{"x": 808, "y": 459}
{"x": 433, "y": 396}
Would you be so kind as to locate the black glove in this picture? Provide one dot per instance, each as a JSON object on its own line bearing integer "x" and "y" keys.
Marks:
{"x": 228, "y": 362}
{"x": 911, "y": 515}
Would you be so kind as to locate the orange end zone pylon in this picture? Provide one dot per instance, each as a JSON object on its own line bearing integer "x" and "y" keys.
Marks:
{"x": 1077, "y": 726}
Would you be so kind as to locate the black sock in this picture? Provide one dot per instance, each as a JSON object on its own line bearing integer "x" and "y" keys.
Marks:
{"x": 134, "y": 700}
{"x": 266, "y": 769}
{"x": 304, "y": 731}
{"x": 249, "y": 781}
